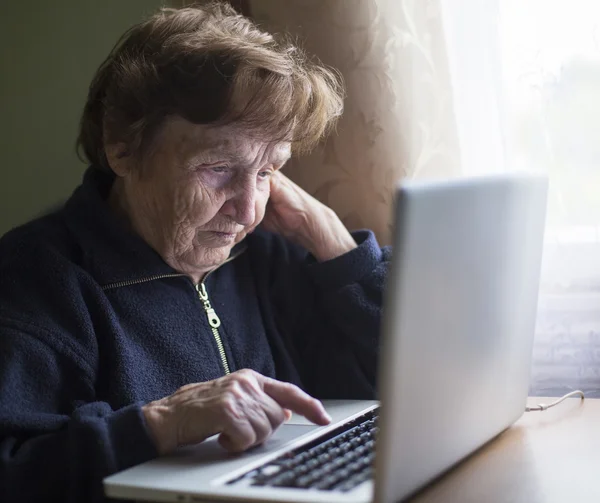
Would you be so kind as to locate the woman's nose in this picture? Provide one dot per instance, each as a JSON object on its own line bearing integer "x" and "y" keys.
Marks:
{"x": 241, "y": 206}
{"x": 245, "y": 208}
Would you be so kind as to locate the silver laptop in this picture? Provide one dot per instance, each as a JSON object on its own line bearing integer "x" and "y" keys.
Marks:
{"x": 459, "y": 318}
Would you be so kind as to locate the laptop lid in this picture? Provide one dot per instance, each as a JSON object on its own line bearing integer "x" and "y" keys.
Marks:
{"x": 459, "y": 320}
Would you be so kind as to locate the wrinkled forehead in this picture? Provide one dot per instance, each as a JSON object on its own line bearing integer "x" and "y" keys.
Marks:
{"x": 189, "y": 141}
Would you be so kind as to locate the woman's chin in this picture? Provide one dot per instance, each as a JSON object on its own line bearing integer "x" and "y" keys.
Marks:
{"x": 240, "y": 236}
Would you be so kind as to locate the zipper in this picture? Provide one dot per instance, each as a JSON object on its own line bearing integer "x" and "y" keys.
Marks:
{"x": 213, "y": 318}
{"x": 119, "y": 284}
{"x": 215, "y": 322}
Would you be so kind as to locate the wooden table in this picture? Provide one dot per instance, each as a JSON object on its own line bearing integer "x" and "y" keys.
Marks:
{"x": 545, "y": 457}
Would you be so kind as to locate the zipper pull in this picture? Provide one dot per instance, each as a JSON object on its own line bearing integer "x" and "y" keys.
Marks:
{"x": 213, "y": 319}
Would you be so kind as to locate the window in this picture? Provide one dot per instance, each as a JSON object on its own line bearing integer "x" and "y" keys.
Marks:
{"x": 526, "y": 83}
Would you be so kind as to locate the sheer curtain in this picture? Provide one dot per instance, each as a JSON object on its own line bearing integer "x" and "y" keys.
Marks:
{"x": 443, "y": 88}
{"x": 526, "y": 80}
{"x": 552, "y": 75}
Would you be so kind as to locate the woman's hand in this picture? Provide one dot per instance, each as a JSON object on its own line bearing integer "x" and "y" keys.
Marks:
{"x": 298, "y": 216}
{"x": 244, "y": 407}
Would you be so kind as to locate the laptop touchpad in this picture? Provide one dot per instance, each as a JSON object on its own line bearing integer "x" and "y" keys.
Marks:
{"x": 285, "y": 434}
{"x": 210, "y": 451}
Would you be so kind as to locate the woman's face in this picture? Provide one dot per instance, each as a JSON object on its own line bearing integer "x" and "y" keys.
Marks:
{"x": 200, "y": 191}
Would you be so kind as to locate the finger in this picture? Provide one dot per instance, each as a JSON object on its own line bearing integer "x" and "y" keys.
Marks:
{"x": 226, "y": 441}
{"x": 259, "y": 407}
{"x": 282, "y": 177}
{"x": 275, "y": 181}
{"x": 288, "y": 414}
{"x": 252, "y": 429}
{"x": 292, "y": 397}
{"x": 261, "y": 425}
{"x": 237, "y": 436}
{"x": 279, "y": 176}
{"x": 244, "y": 422}
{"x": 275, "y": 414}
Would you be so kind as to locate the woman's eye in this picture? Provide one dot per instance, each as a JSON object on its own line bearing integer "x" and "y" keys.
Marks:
{"x": 219, "y": 169}
{"x": 264, "y": 174}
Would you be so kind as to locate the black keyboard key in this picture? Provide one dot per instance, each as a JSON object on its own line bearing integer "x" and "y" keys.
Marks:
{"x": 343, "y": 473}
{"x": 316, "y": 451}
{"x": 303, "y": 482}
{"x": 327, "y": 482}
{"x": 345, "y": 447}
{"x": 323, "y": 458}
{"x": 365, "y": 461}
{"x": 339, "y": 462}
{"x": 282, "y": 480}
{"x": 352, "y": 482}
{"x": 313, "y": 463}
{"x": 329, "y": 467}
{"x": 302, "y": 457}
{"x": 301, "y": 470}
{"x": 360, "y": 450}
{"x": 356, "y": 467}
{"x": 317, "y": 474}
{"x": 349, "y": 457}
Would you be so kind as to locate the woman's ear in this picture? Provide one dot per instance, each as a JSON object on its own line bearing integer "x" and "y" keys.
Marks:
{"x": 119, "y": 158}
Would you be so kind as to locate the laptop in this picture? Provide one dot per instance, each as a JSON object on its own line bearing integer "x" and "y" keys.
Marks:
{"x": 459, "y": 318}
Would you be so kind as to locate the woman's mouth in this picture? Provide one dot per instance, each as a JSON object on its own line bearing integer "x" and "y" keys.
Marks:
{"x": 226, "y": 236}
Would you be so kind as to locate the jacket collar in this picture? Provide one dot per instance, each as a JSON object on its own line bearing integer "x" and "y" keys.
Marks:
{"x": 112, "y": 253}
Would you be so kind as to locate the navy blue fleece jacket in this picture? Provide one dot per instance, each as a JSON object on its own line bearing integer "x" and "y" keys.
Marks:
{"x": 93, "y": 324}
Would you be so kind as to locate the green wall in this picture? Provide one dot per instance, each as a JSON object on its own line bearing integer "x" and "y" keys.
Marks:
{"x": 48, "y": 54}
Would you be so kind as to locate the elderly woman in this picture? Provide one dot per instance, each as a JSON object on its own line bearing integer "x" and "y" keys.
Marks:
{"x": 152, "y": 311}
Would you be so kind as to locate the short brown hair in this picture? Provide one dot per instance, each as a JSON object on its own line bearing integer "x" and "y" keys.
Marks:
{"x": 209, "y": 65}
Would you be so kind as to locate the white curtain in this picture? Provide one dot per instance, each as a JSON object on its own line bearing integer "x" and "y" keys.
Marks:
{"x": 441, "y": 88}
{"x": 526, "y": 75}
{"x": 551, "y": 64}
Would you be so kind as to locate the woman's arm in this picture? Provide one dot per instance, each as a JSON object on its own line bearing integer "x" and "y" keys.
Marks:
{"x": 56, "y": 442}
{"x": 328, "y": 303}
{"x": 328, "y": 314}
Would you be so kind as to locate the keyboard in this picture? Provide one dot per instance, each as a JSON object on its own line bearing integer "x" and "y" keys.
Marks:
{"x": 338, "y": 461}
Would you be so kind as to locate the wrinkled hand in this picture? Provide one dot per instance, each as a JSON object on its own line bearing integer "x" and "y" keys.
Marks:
{"x": 301, "y": 218}
{"x": 244, "y": 408}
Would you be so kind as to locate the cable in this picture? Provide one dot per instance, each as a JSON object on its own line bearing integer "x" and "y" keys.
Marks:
{"x": 542, "y": 406}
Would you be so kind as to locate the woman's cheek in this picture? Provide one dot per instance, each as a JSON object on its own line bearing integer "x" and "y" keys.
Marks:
{"x": 207, "y": 202}
{"x": 261, "y": 205}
